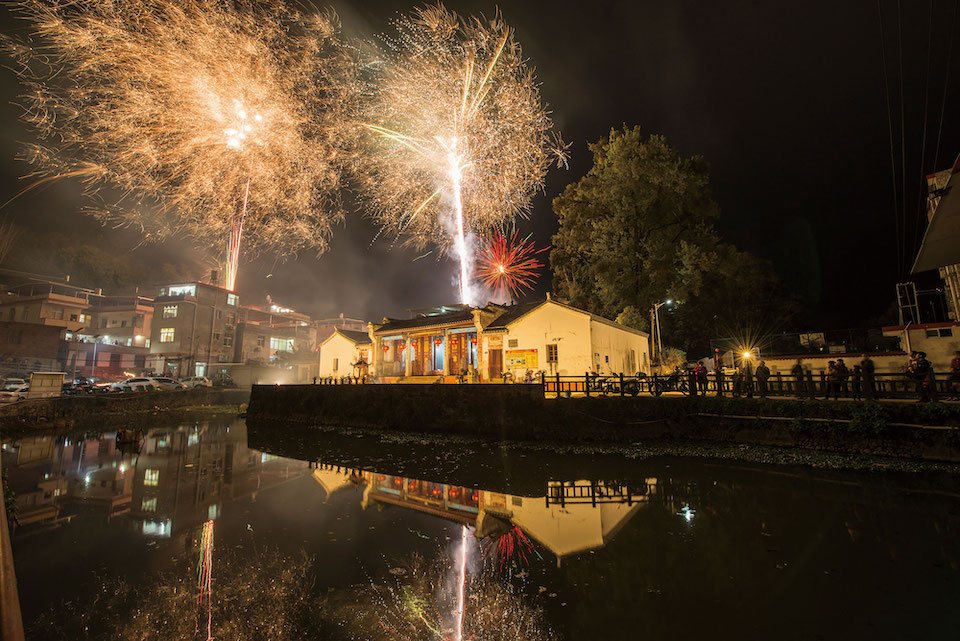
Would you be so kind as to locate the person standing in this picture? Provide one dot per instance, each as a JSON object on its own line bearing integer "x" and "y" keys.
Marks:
{"x": 869, "y": 378}
{"x": 799, "y": 376}
{"x": 833, "y": 381}
{"x": 929, "y": 376}
{"x": 855, "y": 376}
{"x": 914, "y": 375}
{"x": 701, "y": 371}
{"x": 692, "y": 380}
{"x": 843, "y": 375}
{"x": 763, "y": 375}
{"x": 955, "y": 376}
{"x": 718, "y": 375}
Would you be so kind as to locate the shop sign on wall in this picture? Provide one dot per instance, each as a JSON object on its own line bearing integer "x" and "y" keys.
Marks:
{"x": 522, "y": 359}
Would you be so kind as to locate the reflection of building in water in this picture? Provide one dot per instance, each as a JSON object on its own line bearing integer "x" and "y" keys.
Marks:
{"x": 572, "y": 517}
{"x": 179, "y": 477}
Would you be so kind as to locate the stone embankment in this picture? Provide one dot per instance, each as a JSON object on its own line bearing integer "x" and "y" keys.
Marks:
{"x": 521, "y": 413}
{"x": 67, "y": 411}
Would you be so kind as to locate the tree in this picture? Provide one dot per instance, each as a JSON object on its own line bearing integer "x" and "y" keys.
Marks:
{"x": 636, "y": 229}
{"x": 740, "y": 297}
{"x": 639, "y": 229}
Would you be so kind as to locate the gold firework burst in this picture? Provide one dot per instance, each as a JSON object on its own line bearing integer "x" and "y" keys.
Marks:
{"x": 461, "y": 138}
{"x": 197, "y": 116}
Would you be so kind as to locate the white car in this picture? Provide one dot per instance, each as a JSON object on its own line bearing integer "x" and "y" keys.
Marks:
{"x": 147, "y": 383}
{"x": 10, "y": 383}
{"x": 14, "y": 393}
{"x": 196, "y": 381}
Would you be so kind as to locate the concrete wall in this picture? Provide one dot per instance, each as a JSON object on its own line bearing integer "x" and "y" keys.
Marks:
{"x": 612, "y": 347}
{"x": 568, "y": 329}
{"x": 583, "y": 344}
{"x": 521, "y": 413}
{"x": 885, "y": 363}
{"x": 340, "y": 351}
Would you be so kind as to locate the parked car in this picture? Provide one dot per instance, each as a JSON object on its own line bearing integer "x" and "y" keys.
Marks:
{"x": 196, "y": 381}
{"x": 147, "y": 383}
{"x": 12, "y": 394}
{"x": 10, "y": 383}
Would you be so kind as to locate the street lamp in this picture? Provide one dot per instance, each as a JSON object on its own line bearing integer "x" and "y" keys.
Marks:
{"x": 655, "y": 322}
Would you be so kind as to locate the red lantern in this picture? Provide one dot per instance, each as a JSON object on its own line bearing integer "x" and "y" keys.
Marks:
{"x": 474, "y": 340}
{"x": 386, "y": 348}
{"x": 401, "y": 346}
{"x": 438, "y": 341}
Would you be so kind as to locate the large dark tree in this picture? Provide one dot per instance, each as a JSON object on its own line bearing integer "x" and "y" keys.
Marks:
{"x": 639, "y": 229}
{"x": 636, "y": 229}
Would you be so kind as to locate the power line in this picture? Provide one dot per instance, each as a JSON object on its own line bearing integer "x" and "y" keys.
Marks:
{"x": 946, "y": 82}
{"x": 893, "y": 163}
{"x": 903, "y": 129}
{"x": 926, "y": 104}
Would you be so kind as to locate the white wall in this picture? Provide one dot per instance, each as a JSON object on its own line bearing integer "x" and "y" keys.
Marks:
{"x": 612, "y": 346}
{"x": 551, "y": 323}
{"x": 344, "y": 351}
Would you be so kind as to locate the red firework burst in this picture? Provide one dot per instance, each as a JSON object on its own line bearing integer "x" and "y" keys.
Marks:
{"x": 514, "y": 547}
{"x": 509, "y": 264}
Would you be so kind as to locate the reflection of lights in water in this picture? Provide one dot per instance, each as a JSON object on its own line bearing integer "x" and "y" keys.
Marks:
{"x": 205, "y": 574}
{"x": 461, "y": 585}
{"x": 687, "y": 513}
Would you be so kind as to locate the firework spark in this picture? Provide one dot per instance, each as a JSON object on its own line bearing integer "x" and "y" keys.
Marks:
{"x": 212, "y": 118}
{"x": 508, "y": 265}
{"x": 461, "y": 134}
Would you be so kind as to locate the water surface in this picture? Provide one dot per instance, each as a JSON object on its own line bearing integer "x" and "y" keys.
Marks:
{"x": 598, "y": 546}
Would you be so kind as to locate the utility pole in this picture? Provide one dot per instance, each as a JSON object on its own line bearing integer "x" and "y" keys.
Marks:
{"x": 655, "y": 325}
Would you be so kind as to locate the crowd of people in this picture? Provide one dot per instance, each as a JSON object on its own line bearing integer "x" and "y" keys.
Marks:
{"x": 858, "y": 382}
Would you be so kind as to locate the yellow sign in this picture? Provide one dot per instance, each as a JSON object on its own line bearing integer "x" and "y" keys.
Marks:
{"x": 522, "y": 359}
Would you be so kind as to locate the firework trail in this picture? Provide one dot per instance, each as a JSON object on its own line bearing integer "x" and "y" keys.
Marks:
{"x": 214, "y": 118}
{"x": 205, "y": 576}
{"x": 461, "y": 138}
{"x": 508, "y": 265}
{"x": 461, "y": 585}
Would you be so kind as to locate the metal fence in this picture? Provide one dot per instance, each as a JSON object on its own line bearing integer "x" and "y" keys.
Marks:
{"x": 885, "y": 385}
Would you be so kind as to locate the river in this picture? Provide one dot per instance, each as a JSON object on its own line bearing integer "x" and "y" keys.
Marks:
{"x": 205, "y": 529}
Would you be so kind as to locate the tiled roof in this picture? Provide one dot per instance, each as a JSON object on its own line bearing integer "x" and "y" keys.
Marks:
{"x": 360, "y": 338}
{"x": 394, "y": 325}
{"x": 513, "y": 312}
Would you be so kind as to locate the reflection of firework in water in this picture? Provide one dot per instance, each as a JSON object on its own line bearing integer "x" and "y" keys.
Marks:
{"x": 509, "y": 265}
{"x": 415, "y": 606}
{"x": 214, "y": 118}
{"x": 514, "y": 547}
{"x": 205, "y": 576}
{"x": 464, "y": 139}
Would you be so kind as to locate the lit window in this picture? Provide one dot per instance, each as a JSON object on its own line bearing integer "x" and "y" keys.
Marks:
{"x": 167, "y": 334}
{"x": 151, "y": 478}
{"x": 181, "y": 290}
{"x": 149, "y": 504}
{"x": 232, "y": 299}
{"x": 281, "y": 344}
{"x": 171, "y": 311}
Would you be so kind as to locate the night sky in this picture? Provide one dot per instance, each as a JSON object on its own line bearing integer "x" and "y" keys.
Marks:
{"x": 785, "y": 100}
